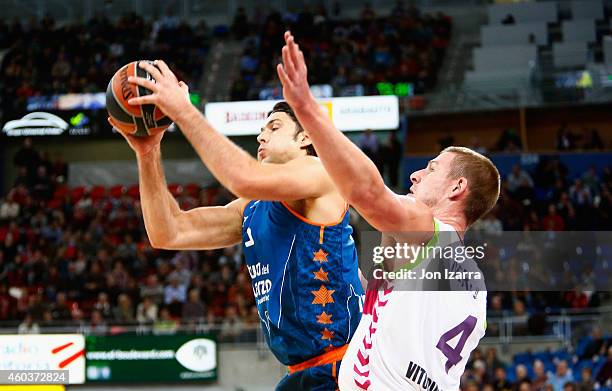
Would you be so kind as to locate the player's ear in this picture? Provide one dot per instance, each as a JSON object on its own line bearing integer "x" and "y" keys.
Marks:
{"x": 458, "y": 188}
{"x": 304, "y": 139}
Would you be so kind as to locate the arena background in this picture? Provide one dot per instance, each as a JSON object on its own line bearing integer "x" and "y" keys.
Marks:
{"x": 527, "y": 83}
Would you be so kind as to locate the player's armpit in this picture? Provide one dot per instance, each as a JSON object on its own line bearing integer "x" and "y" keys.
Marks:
{"x": 206, "y": 228}
{"x": 301, "y": 178}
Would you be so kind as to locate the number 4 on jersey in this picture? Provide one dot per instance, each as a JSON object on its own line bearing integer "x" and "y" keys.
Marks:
{"x": 453, "y": 355}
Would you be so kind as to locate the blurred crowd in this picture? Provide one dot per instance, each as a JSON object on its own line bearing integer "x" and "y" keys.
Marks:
{"x": 543, "y": 370}
{"x": 405, "y": 46}
{"x": 45, "y": 58}
{"x": 82, "y": 255}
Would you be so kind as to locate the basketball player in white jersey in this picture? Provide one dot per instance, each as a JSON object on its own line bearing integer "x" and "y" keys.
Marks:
{"x": 411, "y": 336}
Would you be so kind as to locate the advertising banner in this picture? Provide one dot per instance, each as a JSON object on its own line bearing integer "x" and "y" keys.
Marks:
{"x": 348, "y": 114}
{"x": 151, "y": 358}
{"x": 44, "y": 353}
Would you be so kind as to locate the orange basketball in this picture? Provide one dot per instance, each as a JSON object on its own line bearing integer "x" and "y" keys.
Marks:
{"x": 139, "y": 120}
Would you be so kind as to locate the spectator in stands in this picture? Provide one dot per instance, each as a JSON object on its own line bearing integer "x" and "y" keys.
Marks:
{"x": 153, "y": 289}
{"x": 231, "y": 325}
{"x": 509, "y": 141}
{"x": 580, "y": 195}
{"x": 146, "y": 312}
{"x": 521, "y": 375}
{"x": 27, "y": 157}
{"x": 165, "y": 325}
{"x": 540, "y": 378}
{"x": 591, "y": 180}
{"x": 175, "y": 295}
{"x": 501, "y": 383}
{"x": 28, "y": 326}
{"x": 569, "y": 386}
{"x": 594, "y": 141}
{"x": 566, "y": 210}
{"x": 9, "y": 208}
{"x": 604, "y": 376}
{"x": 520, "y": 317}
{"x": 43, "y": 186}
{"x": 596, "y": 346}
{"x": 492, "y": 362}
{"x": 102, "y": 306}
{"x": 518, "y": 178}
{"x": 193, "y": 309}
{"x": 476, "y": 145}
{"x": 240, "y": 25}
{"x": 490, "y": 224}
{"x": 60, "y": 310}
{"x": 552, "y": 221}
{"x": 59, "y": 169}
{"x": 562, "y": 375}
{"x": 566, "y": 139}
{"x": 97, "y": 324}
{"x": 586, "y": 380}
{"x": 123, "y": 312}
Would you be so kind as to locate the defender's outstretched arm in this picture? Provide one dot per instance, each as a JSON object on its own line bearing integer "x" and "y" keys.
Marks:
{"x": 353, "y": 173}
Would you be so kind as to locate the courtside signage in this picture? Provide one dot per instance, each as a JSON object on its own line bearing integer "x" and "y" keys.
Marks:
{"x": 44, "y": 353}
{"x": 160, "y": 358}
{"x": 348, "y": 114}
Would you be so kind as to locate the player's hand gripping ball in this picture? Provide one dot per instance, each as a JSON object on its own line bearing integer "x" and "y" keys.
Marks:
{"x": 137, "y": 120}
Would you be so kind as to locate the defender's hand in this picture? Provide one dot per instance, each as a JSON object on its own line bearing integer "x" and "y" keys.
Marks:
{"x": 167, "y": 93}
{"x": 293, "y": 74}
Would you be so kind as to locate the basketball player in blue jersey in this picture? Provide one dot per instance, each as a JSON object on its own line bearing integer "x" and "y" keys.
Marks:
{"x": 292, "y": 222}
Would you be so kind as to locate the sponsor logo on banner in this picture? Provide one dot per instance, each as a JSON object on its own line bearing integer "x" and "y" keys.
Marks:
{"x": 47, "y": 124}
{"x": 36, "y": 124}
{"x": 348, "y": 114}
{"x": 159, "y": 358}
{"x": 44, "y": 352}
{"x": 197, "y": 355}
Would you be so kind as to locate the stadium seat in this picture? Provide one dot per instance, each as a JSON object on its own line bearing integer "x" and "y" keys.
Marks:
{"x": 97, "y": 192}
{"x": 60, "y": 192}
{"x": 522, "y": 358}
{"x": 587, "y": 9}
{"x": 518, "y": 34}
{"x": 508, "y": 57}
{"x": 579, "y": 30}
{"x": 570, "y": 54}
{"x": 175, "y": 189}
{"x": 523, "y": 12}
{"x": 134, "y": 191}
{"x": 192, "y": 189}
{"x": 117, "y": 191}
{"x": 77, "y": 193}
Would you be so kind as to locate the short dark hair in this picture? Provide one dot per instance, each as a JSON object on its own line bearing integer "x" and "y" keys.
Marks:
{"x": 283, "y": 107}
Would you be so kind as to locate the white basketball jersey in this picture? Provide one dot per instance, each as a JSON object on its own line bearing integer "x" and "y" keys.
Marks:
{"x": 414, "y": 340}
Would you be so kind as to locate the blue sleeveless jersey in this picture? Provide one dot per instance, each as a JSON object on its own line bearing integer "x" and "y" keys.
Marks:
{"x": 305, "y": 280}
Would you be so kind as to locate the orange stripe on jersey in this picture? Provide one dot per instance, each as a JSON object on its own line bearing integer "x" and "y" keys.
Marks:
{"x": 329, "y": 357}
{"x": 307, "y": 221}
{"x": 321, "y": 234}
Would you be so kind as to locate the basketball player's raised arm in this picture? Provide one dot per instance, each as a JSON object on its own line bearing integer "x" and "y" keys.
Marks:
{"x": 168, "y": 226}
{"x": 237, "y": 170}
{"x": 353, "y": 173}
